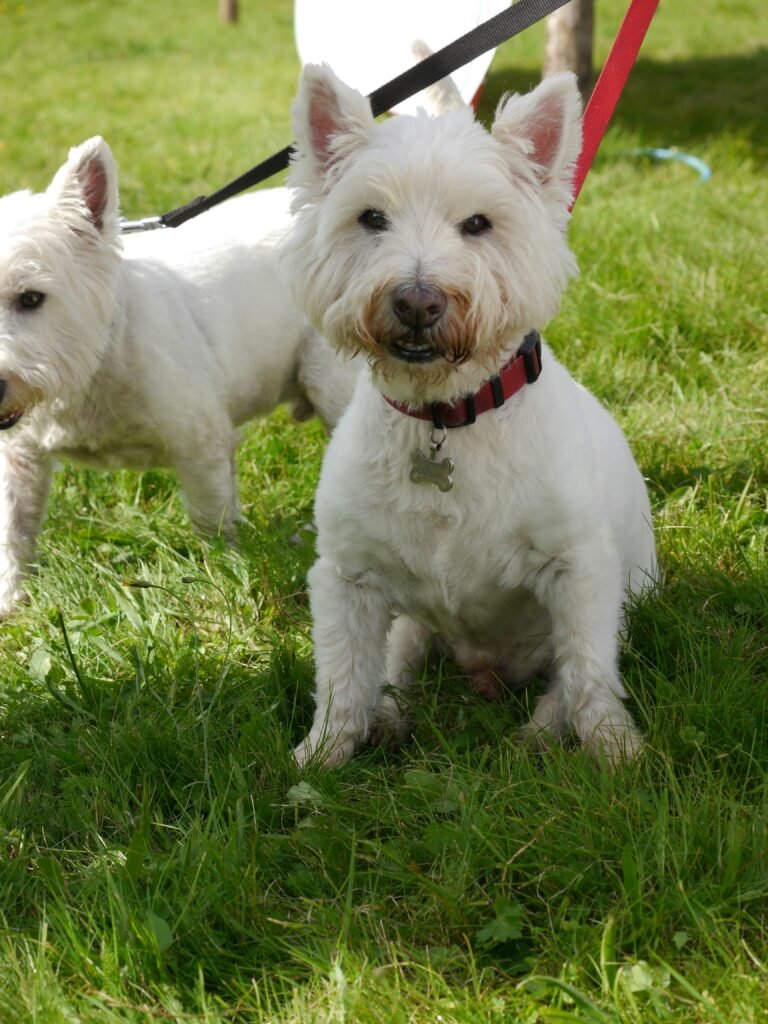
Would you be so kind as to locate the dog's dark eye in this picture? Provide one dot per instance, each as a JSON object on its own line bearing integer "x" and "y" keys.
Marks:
{"x": 374, "y": 220}
{"x": 31, "y": 300}
{"x": 477, "y": 224}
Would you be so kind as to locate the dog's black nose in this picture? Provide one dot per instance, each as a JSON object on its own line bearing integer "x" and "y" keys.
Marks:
{"x": 418, "y": 305}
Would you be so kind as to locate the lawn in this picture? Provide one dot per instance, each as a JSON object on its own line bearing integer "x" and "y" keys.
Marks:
{"x": 160, "y": 857}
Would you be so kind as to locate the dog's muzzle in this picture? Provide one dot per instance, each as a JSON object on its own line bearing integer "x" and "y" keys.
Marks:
{"x": 418, "y": 307}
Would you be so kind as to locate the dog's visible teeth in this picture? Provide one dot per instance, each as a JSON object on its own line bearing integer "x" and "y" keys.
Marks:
{"x": 414, "y": 353}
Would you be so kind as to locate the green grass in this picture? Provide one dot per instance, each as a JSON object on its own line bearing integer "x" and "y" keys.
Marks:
{"x": 160, "y": 858}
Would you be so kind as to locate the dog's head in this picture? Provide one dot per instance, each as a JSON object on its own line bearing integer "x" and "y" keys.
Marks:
{"x": 59, "y": 257}
{"x": 428, "y": 242}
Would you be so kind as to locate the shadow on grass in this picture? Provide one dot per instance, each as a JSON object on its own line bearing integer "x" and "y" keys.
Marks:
{"x": 696, "y": 664}
{"x": 677, "y": 103}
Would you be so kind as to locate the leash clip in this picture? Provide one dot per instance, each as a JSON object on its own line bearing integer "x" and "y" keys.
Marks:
{"x": 129, "y": 227}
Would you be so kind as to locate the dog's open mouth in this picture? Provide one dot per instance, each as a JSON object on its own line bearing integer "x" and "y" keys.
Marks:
{"x": 11, "y": 419}
{"x": 414, "y": 350}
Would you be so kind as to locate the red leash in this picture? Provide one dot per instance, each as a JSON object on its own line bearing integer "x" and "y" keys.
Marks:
{"x": 609, "y": 85}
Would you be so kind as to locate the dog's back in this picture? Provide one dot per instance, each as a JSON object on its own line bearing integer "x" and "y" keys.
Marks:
{"x": 218, "y": 275}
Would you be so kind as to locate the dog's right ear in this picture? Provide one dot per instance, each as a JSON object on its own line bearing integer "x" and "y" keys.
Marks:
{"x": 545, "y": 125}
{"x": 86, "y": 186}
{"x": 330, "y": 120}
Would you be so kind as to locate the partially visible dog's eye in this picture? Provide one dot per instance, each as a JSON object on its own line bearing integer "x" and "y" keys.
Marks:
{"x": 477, "y": 224}
{"x": 374, "y": 220}
{"x": 31, "y": 300}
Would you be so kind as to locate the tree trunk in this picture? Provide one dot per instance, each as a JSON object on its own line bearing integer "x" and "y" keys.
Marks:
{"x": 228, "y": 10}
{"x": 569, "y": 41}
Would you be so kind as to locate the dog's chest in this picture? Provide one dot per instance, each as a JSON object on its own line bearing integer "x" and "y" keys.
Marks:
{"x": 449, "y": 560}
{"x": 458, "y": 558}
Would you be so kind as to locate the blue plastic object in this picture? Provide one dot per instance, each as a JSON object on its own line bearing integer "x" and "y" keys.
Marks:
{"x": 674, "y": 154}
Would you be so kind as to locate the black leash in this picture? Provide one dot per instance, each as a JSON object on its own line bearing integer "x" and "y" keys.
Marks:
{"x": 510, "y": 22}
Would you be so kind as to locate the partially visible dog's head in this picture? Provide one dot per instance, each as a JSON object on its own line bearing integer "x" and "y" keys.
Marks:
{"x": 59, "y": 256}
{"x": 428, "y": 242}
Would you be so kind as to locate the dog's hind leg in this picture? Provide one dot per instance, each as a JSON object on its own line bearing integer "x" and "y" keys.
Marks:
{"x": 407, "y": 644}
{"x": 25, "y": 480}
{"x": 548, "y": 723}
{"x": 350, "y": 624}
{"x": 583, "y": 592}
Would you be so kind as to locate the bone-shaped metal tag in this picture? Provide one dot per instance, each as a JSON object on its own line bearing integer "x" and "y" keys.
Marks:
{"x": 426, "y": 470}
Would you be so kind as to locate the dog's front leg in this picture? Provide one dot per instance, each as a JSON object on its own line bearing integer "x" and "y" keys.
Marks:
{"x": 25, "y": 480}
{"x": 350, "y": 620}
{"x": 209, "y": 482}
{"x": 583, "y": 593}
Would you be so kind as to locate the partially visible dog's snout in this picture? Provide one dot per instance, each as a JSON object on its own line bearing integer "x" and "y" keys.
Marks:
{"x": 418, "y": 305}
{"x": 3, "y": 389}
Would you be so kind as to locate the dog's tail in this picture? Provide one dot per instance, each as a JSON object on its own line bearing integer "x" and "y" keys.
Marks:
{"x": 444, "y": 95}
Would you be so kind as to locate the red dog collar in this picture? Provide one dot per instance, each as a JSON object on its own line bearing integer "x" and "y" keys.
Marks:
{"x": 523, "y": 368}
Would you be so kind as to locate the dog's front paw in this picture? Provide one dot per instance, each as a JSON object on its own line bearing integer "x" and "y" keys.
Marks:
{"x": 10, "y": 601}
{"x": 614, "y": 742}
{"x": 324, "y": 751}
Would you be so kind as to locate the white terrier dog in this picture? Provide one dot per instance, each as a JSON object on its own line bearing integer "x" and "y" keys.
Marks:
{"x": 439, "y": 249}
{"x": 141, "y": 352}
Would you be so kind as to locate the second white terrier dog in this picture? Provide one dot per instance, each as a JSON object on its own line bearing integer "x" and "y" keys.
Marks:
{"x": 142, "y": 354}
{"x": 439, "y": 250}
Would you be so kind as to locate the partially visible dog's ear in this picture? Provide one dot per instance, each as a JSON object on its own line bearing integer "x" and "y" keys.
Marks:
{"x": 330, "y": 119}
{"x": 545, "y": 125}
{"x": 87, "y": 184}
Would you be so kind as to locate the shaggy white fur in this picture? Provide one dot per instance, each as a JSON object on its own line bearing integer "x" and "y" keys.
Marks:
{"x": 143, "y": 351}
{"x": 434, "y": 247}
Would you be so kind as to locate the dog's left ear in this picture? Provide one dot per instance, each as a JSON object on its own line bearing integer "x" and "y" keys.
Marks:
{"x": 330, "y": 120}
{"x": 545, "y": 125}
{"x": 87, "y": 186}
